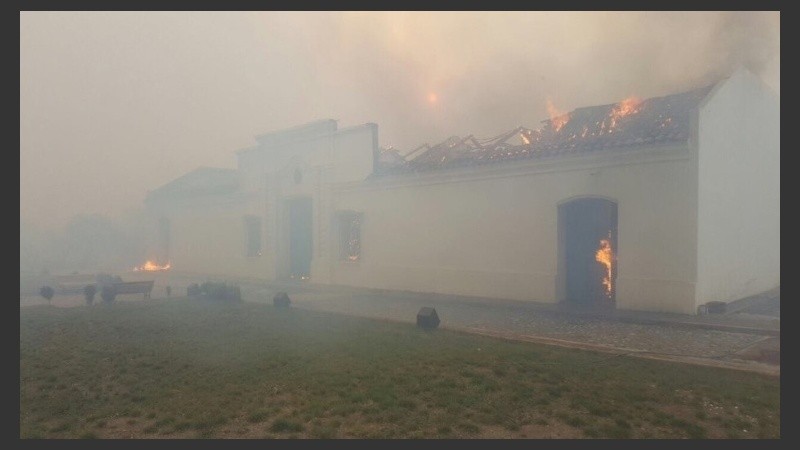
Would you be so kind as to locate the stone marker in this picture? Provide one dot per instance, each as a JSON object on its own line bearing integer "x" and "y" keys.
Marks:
{"x": 281, "y": 299}
{"x": 427, "y": 318}
{"x": 716, "y": 307}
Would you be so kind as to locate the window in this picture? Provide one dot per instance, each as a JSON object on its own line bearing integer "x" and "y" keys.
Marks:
{"x": 349, "y": 235}
{"x": 252, "y": 231}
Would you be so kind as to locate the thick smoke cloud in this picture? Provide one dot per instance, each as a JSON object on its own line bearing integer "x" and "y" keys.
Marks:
{"x": 115, "y": 103}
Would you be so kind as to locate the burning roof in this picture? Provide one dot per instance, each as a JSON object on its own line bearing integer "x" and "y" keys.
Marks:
{"x": 584, "y": 130}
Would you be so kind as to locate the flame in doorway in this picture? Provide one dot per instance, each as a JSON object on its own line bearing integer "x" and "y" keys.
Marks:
{"x": 605, "y": 256}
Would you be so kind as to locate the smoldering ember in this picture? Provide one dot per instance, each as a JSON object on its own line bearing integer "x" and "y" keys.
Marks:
{"x": 600, "y": 206}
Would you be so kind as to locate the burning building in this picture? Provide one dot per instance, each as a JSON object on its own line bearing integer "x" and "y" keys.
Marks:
{"x": 658, "y": 204}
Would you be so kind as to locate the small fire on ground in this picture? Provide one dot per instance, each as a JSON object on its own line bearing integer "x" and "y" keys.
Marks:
{"x": 150, "y": 266}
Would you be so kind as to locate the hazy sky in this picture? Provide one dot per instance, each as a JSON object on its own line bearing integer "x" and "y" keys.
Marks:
{"x": 113, "y": 104}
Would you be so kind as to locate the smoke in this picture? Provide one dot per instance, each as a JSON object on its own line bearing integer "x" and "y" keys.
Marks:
{"x": 493, "y": 71}
{"x": 87, "y": 242}
{"x": 113, "y": 104}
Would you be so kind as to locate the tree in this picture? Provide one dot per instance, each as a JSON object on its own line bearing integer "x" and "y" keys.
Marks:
{"x": 47, "y": 292}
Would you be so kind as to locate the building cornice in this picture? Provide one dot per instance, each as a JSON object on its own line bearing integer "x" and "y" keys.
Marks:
{"x": 629, "y": 156}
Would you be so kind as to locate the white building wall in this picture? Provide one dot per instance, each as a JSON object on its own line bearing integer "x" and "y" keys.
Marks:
{"x": 739, "y": 190}
{"x": 208, "y": 234}
{"x": 683, "y": 238}
{"x": 496, "y": 235}
{"x": 208, "y": 237}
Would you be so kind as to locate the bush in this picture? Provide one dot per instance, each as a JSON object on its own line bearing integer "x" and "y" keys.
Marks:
{"x": 108, "y": 292}
{"x": 193, "y": 290}
{"x": 89, "y": 291}
{"x": 47, "y": 292}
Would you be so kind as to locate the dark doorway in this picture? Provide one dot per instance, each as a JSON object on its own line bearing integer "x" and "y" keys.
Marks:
{"x": 588, "y": 247}
{"x": 300, "y": 238}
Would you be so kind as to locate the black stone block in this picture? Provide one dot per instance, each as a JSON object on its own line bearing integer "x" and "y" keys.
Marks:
{"x": 281, "y": 299}
{"x": 427, "y": 318}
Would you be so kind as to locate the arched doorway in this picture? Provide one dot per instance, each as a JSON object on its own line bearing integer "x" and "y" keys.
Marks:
{"x": 587, "y": 252}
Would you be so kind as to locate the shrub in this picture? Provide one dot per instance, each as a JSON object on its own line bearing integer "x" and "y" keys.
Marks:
{"x": 89, "y": 291}
{"x": 108, "y": 292}
{"x": 193, "y": 290}
{"x": 47, "y": 292}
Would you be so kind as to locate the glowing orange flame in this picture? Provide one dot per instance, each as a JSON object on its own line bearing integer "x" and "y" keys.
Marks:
{"x": 557, "y": 118}
{"x": 605, "y": 256}
{"x": 150, "y": 266}
{"x": 630, "y": 105}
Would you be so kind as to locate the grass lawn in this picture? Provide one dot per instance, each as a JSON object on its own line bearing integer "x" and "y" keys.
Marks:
{"x": 192, "y": 368}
